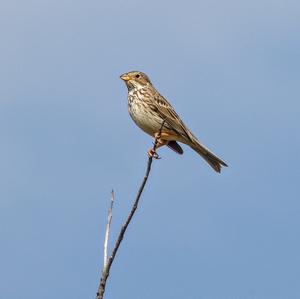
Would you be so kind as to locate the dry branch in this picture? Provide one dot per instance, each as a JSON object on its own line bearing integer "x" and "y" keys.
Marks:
{"x": 108, "y": 263}
{"x": 107, "y": 231}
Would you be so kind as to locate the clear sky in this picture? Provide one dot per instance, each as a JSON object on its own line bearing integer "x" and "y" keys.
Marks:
{"x": 232, "y": 71}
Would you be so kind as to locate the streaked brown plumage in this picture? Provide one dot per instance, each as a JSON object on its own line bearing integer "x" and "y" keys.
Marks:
{"x": 148, "y": 109}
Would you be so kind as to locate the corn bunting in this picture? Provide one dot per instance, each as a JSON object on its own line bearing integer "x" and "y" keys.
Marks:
{"x": 149, "y": 110}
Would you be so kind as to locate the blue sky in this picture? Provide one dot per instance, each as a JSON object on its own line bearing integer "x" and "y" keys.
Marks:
{"x": 231, "y": 70}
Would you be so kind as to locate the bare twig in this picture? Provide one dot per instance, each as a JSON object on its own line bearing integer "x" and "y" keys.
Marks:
{"x": 107, "y": 231}
{"x": 106, "y": 269}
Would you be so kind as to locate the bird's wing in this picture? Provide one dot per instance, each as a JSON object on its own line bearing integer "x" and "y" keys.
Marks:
{"x": 173, "y": 121}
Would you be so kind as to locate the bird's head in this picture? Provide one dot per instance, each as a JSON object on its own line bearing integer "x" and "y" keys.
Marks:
{"x": 135, "y": 79}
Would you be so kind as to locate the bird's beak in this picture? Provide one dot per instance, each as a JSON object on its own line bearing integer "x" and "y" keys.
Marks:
{"x": 125, "y": 77}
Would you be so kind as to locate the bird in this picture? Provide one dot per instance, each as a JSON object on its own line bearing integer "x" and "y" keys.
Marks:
{"x": 155, "y": 115}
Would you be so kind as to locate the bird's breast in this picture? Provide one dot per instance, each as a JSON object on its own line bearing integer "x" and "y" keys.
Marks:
{"x": 142, "y": 113}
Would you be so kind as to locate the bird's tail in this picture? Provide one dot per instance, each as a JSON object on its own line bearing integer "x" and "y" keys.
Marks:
{"x": 215, "y": 162}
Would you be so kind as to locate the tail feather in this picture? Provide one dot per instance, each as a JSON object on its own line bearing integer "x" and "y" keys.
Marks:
{"x": 175, "y": 147}
{"x": 215, "y": 162}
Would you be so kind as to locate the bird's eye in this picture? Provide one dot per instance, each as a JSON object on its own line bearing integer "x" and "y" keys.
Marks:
{"x": 137, "y": 76}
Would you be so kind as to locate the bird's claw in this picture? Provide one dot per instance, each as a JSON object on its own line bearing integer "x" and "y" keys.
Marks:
{"x": 153, "y": 154}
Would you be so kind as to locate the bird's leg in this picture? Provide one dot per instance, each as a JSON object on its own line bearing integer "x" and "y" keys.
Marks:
{"x": 159, "y": 142}
{"x": 157, "y": 136}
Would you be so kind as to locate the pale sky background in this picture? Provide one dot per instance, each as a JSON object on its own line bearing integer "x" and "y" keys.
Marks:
{"x": 232, "y": 71}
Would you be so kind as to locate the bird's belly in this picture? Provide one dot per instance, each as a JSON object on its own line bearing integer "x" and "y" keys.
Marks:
{"x": 145, "y": 119}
